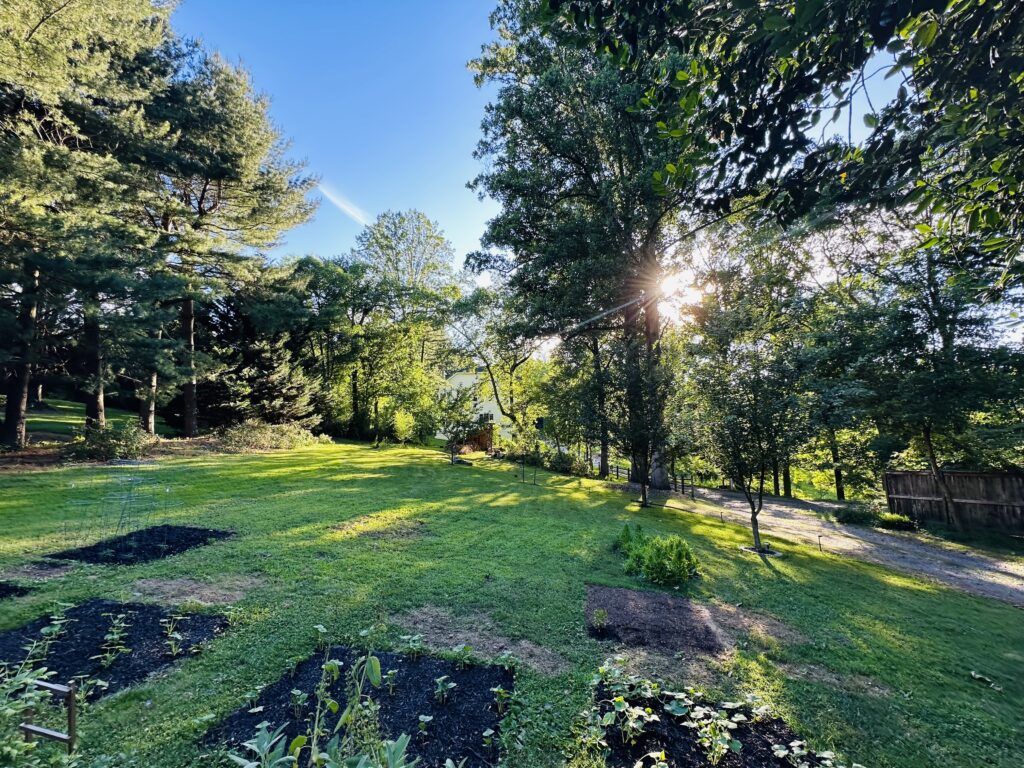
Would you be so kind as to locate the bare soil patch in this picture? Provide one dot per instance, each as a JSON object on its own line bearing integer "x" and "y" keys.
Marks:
{"x": 455, "y": 732}
{"x": 143, "y": 545}
{"x": 736, "y": 622}
{"x": 442, "y": 631}
{"x": 819, "y": 674}
{"x": 176, "y": 591}
{"x": 30, "y": 457}
{"x": 654, "y": 620}
{"x": 41, "y": 571}
{"x": 74, "y": 652}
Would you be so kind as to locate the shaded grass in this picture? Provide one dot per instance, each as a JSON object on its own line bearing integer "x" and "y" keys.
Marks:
{"x": 64, "y": 417}
{"x": 523, "y": 554}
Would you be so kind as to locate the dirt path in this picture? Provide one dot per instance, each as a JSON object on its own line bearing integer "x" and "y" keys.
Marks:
{"x": 807, "y": 521}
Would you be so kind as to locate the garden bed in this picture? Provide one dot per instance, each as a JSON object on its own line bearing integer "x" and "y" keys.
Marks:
{"x": 83, "y": 637}
{"x": 456, "y": 730}
{"x": 7, "y": 589}
{"x": 143, "y": 545}
{"x": 655, "y": 620}
{"x": 653, "y": 720}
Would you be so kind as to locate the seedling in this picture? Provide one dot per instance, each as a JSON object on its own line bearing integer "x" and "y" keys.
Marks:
{"x": 463, "y": 655}
{"x": 443, "y": 688}
{"x": 412, "y": 645}
{"x": 299, "y": 701}
{"x": 391, "y": 681}
{"x": 501, "y": 699}
{"x": 113, "y": 642}
{"x": 425, "y": 721}
{"x": 599, "y": 620}
{"x": 172, "y": 637}
{"x": 506, "y": 661}
{"x": 488, "y": 736}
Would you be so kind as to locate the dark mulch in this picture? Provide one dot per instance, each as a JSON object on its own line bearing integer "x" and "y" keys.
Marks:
{"x": 71, "y": 654}
{"x": 7, "y": 589}
{"x": 656, "y": 620}
{"x": 455, "y": 732}
{"x": 143, "y": 545}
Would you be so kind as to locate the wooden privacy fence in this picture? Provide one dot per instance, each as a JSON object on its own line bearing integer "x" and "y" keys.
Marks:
{"x": 981, "y": 499}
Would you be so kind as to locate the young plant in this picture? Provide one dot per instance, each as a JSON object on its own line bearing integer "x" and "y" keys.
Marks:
{"x": 172, "y": 637}
{"x": 267, "y": 749}
{"x": 299, "y": 701}
{"x": 443, "y": 687}
{"x": 599, "y": 620}
{"x": 501, "y": 699}
{"x": 412, "y": 646}
{"x": 114, "y": 641}
{"x": 425, "y": 721}
{"x": 391, "y": 681}
{"x": 488, "y": 737}
{"x": 463, "y": 655}
{"x": 714, "y": 732}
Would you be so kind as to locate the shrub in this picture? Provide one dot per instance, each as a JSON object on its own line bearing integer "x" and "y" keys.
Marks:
{"x": 253, "y": 436}
{"x": 665, "y": 560}
{"x": 894, "y": 522}
{"x": 856, "y": 515}
{"x": 565, "y": 463}
{"x": 125, "y": 441}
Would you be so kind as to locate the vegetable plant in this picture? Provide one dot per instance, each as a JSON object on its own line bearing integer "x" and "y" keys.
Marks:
{"x": 172, "y": 637}
{"x": 501, "y": 699}
{"x": 114, "y": 640}
{"x": 443, "y": 686}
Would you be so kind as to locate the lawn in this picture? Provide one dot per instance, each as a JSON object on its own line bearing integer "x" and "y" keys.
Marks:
{"x": 892, "y": 655}
{"x": 63, "y": 417}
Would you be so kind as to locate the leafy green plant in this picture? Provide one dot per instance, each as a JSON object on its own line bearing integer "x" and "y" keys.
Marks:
{"x": 488, "y": 737}
{"x": 391, "y": 681}
{"x": 599, "y": 620}
{"x": 412, "y": 646}
{"x": 424, "y": 722}
{"x": 665, "y": 560}
{"x": 463, "y": 655}
{"x": 501, "y": 699}
{"x": 114, "y": 640}
{"x": 253, "y": 436}
{"x": 443, "y": 686}
{"x": 894, "y": 522}
{"x": 267, "y": 749}
{"x": 127, "y": 441}
{"x": 714, "y": 731}
{"x": 172, "y": 637}
{"x": 299, "y": 700}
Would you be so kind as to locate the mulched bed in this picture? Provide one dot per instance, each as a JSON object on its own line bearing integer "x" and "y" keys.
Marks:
{"x": 682, "y": 750}
{"x": 455, "y": 732}
{"x": 655, "y": 620}
{"x": 7, "y": 589}
{"x": 70, "y": 654}
{"x": 143, "y": 545}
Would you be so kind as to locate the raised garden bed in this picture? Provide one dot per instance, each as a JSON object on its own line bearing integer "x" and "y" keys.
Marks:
{"x": 81, "y": 641}
{"x": 456, "y": 730}
{"x": 633, "y": 718}
{"x": 7, "y": 589}
{"x": 143, "y": 545}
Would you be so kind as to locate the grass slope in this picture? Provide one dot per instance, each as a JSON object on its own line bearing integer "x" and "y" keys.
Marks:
{"x": 522, "y": 554}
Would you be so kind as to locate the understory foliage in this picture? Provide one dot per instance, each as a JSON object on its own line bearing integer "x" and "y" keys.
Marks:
{"x": 664, "y": 560}
{"x": 253, "y": 436}
{"x": 127, "y": 441}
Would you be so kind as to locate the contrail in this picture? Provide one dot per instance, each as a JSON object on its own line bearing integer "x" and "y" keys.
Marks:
{"x": 344, "y": 205}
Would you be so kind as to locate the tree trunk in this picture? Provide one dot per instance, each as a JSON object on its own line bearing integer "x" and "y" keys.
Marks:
{"x": 837, "y": 470}
{"x": 95, "y": 407}
{"x": 775, "y": 476}
{"x": 948, "y": 505}
{"x": 787, "y": 480}
{"x": 190, "y": 407}
{"x": 18, "y": 383}
{"x": 39, "y": 391}
{"x": 147, "y": 405}
{"x": 595, "y": 351}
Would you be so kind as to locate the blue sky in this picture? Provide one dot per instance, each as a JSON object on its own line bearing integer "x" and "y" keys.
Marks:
{"x": 374, "y": 95}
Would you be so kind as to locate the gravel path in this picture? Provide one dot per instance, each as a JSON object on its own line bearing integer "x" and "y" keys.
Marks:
{"x": 805, "y": 521}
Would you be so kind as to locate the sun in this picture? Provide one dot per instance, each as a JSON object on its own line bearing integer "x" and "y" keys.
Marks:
{"x": 679, "y": 293}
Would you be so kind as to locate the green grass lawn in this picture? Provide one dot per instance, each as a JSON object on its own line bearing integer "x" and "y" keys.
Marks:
{"x": 63, "y": 417}
{"x": 522, "y": 554}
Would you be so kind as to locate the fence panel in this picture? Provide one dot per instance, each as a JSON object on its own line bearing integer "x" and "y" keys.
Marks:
{"x": 982, "y": 499}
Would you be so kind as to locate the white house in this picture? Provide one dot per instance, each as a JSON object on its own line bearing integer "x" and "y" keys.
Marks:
{"x": 486, "y": 405}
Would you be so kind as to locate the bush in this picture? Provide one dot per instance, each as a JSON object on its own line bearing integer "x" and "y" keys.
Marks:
{"x": 566, "y": 464}
{"x": 126, "y": 441}
{"x": 665, "y": 560}
{"x": 857, "y": 515}
{"x": 894, "y": 522}
{"x": 254, "y": 436}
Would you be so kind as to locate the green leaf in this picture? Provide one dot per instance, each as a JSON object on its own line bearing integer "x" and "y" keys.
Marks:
{"x": 373, "y": 671}
{"x": 776, "y": 23}
{"x": 926, "y": 33}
